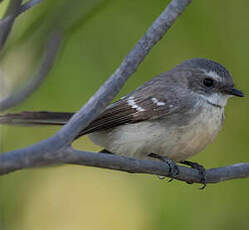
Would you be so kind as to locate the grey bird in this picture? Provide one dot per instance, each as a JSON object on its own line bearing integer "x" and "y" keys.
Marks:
{"x": 172, "y": 117}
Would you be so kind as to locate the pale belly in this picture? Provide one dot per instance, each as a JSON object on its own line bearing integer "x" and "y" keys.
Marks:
{"x": 177, "y": 143}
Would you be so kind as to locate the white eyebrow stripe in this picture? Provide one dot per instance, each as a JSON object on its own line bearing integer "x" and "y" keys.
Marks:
{"x": 133, "y": 104}
{"x": 213, "y": 75}
{"x": 158, "y": 103}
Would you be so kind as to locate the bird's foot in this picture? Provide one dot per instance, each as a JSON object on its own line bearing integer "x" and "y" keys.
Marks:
{"x": 201, "y": 169}
{"x": 173, "y": 168}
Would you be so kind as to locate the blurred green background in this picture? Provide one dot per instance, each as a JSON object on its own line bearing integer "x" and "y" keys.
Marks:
{"x": 98, "y": 34}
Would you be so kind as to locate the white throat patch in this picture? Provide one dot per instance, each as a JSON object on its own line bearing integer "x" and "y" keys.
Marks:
{"x": 216, "y": 99}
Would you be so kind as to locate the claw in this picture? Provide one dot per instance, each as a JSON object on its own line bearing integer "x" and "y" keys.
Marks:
{"x": 173, "y": 168}
{"x": 203, "y": 175}
{"x": 202, "y": 172}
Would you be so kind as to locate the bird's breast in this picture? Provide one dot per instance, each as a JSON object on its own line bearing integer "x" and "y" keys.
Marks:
{"x": 188, "y": 140}
{"x": 178, "y": 141}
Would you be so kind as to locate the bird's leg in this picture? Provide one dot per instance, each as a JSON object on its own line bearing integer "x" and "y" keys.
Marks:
{"x": 173, "y": 168}
{"x": 200, "y": 168}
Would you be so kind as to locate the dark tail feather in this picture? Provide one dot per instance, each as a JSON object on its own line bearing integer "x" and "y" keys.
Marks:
{"x": 35, "y": 118}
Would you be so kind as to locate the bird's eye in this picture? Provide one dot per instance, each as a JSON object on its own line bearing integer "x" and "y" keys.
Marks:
{"x": 208, "y": 82}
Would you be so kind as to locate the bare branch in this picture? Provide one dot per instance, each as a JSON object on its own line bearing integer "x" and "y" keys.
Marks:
{"x": 46, "y": 65}
{"x": 15, "y": 8}
{"x": 7, "y": 23}
{"x": 132, "y": 165}
{"x": 16, "y": 160}
{"x": 28, "y": 5}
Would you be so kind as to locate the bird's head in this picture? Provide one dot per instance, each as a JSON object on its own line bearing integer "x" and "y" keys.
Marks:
{"x": 209, "y": 80}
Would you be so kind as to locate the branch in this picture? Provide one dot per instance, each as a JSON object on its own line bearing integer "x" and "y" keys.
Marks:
{"x": 14, "y": 9}
{"x": 46, "y": 65}
{"x": 15, "y": 160}
{"x": 28, "y": 5}
{"x": 57, "y": 149}
{"x": 7, "y": 23}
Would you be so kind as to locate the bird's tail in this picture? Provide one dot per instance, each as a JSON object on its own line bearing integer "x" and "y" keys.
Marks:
{"x": 35, "y": 118}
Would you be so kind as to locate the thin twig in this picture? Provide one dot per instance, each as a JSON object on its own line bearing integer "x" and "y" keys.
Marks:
{"x": 15, "y": 8}
{"x": 8, "y": 21}
{"x": 28, "y": 5}
{"x": 46, "y": 65}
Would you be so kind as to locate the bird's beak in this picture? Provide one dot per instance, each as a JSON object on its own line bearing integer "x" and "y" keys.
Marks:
{"x": 234, "y": 92}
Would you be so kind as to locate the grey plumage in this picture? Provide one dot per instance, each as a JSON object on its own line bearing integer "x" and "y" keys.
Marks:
{"x": 175, "y": 114}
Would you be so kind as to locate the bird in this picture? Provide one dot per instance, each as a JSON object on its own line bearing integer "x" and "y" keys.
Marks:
{"x": 171, "y": 117}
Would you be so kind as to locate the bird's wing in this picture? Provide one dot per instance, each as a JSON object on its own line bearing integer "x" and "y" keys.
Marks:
{"x": 132, "y": 109}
